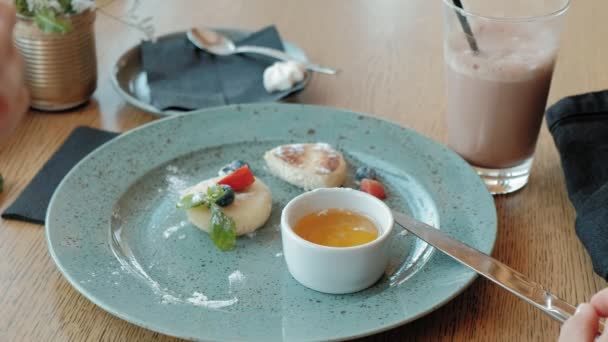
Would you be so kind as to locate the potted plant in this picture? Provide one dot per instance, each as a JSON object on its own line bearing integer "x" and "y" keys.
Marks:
{"x": 56, "y": 39}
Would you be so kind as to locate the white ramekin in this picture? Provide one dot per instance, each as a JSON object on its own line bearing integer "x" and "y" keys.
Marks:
{"x": 336, "y": 269}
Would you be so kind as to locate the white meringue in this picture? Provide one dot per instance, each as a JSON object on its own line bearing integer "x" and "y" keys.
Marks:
{"x": 283, "y": 76}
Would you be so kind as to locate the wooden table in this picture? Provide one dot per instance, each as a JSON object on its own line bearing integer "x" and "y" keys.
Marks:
{"x": 390, "y": 54}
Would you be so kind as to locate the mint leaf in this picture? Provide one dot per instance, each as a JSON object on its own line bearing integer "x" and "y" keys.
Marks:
{"x": 48, "y": 22}
{"x": 192, "y": 201}
{"x": 223, "y": 229}
{"x": 214, "y": 193}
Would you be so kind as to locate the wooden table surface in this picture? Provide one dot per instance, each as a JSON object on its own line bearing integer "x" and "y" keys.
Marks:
{"x": 391, "y": 57}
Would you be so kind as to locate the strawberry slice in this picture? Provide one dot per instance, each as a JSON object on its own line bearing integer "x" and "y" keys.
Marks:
{"x": 373, "y": 187}
{"x": 239, "y": 179}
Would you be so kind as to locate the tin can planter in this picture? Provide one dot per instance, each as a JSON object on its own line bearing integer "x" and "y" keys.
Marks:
{"x": 61, "y": 69}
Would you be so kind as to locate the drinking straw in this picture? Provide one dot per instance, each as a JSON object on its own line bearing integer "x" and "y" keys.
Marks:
{"x": 466, "y": 27}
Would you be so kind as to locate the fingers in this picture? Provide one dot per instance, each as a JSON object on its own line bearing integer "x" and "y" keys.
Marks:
{"x": 12, "y": 111}
{"x": 7, "y": 22}
{"x": 8, "y": 15}
{"x": 600, "y": 302}
{"x": 582, "y": 326}
{"x": 13, "y": 93}
{"x": 11, "y": 77}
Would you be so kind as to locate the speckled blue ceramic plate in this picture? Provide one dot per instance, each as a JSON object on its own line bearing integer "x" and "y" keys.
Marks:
{"x": 114, "y": 232}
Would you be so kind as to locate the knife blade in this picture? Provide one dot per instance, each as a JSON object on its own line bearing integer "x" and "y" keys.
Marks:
{"x": 490, "y": 268}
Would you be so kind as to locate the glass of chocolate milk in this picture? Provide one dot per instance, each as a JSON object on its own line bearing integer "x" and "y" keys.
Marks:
{"x": 499, "y": 58}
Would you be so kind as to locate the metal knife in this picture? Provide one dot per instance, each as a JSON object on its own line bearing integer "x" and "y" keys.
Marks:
{"x": 490, "y": 268}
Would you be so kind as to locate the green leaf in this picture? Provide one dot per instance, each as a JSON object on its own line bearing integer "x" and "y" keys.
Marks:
{"x": 192, "y": 201}
{"x": 223, "y": 229}
{"x": 21, "y": 6}
{"x": 214, "y": 193}
{"x": 48, "y": 22}
{"x": 66, "y": 6}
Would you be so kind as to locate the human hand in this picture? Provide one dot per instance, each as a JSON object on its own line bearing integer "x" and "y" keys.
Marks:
{"x": 14, "y": 97}
{"x": 583, "y": 326}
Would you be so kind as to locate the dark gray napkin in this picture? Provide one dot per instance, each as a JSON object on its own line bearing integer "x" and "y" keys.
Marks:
{"x": 183, "y": 77}
{"x": 32, "y": 203}
{"x": 579, "y": 125}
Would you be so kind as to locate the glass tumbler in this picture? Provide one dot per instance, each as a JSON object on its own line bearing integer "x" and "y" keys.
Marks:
{"x": 499, "y": 58}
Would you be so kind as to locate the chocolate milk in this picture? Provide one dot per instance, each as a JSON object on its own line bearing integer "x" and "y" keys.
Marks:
{"x": 496, "y": 98}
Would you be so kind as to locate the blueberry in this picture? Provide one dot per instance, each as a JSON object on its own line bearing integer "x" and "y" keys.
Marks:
{"x": 365, "y": 172}
{"x": 227, "y": 198}
{"x": 231, "y": 167}
{"x": 237, "y": 164}
{"x": 224, "y": 171}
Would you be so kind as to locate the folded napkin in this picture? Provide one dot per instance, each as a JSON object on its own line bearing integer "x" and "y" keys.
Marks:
{"x": 181, "y": 76}
{"x": 579, "y": 125}
{"x": 32, "y": 203}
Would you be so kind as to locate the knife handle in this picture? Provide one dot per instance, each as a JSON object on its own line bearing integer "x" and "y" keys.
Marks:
{"x": 557, "y": 308}
{"x": 492, "y": 269}
{"x": 561, "y": 310}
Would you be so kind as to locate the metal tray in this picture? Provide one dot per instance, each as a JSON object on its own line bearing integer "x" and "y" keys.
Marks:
{"x": 131, "y": 81}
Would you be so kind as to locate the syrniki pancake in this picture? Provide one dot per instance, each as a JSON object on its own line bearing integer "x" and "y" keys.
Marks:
{"x": 308, "y": 166}
{"x": 250, "y": 209}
